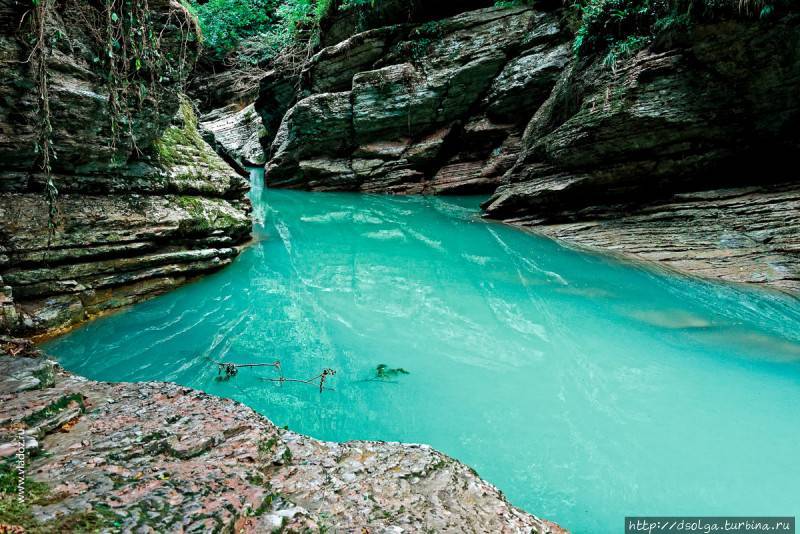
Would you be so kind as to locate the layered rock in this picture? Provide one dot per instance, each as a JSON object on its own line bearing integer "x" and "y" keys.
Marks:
{"x": 228, "y": 120}
{"x": 144, "y": 203}
{"x": 606, "y": 158}
{"x": 235, "y": 134}
{"x": 341, "y": 23}
{"x": 714, "y": 108}
{"x": 744, "y": 234}
{"x": 432, "y": 107}
{"x": 158, "y": 457}
{"x": 607, "y": 150}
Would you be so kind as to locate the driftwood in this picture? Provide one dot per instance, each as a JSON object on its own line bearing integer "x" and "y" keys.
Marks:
{"x": 231, "y": 369}
{"x": 321, "y": 377}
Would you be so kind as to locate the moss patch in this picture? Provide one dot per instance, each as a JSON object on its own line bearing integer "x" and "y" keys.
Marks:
{"x": 207, "y": 215}
{"x": 53, "y": 408}
{"x": 20, "y": 514}
{"x": 183, "y": 145}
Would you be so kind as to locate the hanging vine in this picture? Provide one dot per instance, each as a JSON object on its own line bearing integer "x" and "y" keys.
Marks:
{"x": 44, "y": 142}
{"x": 128, "y": 52}
{"x": 129, "y": 38}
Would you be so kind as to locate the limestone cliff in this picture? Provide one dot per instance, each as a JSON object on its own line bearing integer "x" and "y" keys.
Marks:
{"x": 434, "y": 107}
{"x": 143, "y": 202}
{"x": 682, "y": 154}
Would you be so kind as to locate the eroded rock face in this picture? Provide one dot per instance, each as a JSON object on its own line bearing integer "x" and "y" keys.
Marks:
{"x": 165, "y": 458}
{"x": 745, "y": 234}
{"x": 138, "y": 212}
{"x": 436, "y": 107}
{"x": 610, "y": 159}
{"x": 714, "y": 108}
{"x": 235, "y": 133}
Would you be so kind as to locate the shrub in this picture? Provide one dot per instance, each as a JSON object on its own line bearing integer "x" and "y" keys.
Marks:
{"x": 620, "y": 28}
{"x": 251, "y": 32}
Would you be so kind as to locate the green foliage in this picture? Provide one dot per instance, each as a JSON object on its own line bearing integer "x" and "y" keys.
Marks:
{"x": 252, "y": 32}
{"x": 383, "y": 372}
{"x": 225, "y": 23}
{"x": 620, "y": 28}
{"x": 266, "y": 445}
{"x": 358, "y": 4}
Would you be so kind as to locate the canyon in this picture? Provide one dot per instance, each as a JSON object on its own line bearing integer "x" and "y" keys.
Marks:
{"x": 680, "y": 155}
{"x": 120, "y": 183}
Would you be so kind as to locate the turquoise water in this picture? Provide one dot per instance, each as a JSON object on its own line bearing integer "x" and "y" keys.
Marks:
{"x": 584, "y": 388}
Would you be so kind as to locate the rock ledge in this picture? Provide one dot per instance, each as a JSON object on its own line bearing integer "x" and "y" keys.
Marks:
{"x": 158, "y": 457}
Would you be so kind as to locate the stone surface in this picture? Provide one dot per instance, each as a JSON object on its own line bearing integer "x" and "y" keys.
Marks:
{"x": 395, "y": 108}
{"x": 78, "y": 94}
{"x": 235, "y": 134}
{"x": 612, "y": 158}
{"x": 137, "y": 213}
{"x": 157, "y": 457}
{"x": 747, "y": 234}
{"x": 719, "y": 107}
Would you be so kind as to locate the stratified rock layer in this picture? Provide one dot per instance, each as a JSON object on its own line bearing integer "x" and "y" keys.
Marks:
{"x": 747, "y": 234}
{"x": 671, "y": 155}
{"x": 235, "y": 133}
{"x": 719, "y": 107}
{"x": 138, "y": 212}
{"x": 157, "y": 457}
{"x": 414, "y": 108}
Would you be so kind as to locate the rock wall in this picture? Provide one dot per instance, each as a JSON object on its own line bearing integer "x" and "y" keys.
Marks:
{"x": 235, "y": 133}
{"x": 430, "y": 107}
{"x": 720, "y": 105}
{"x": 158, "y": 457}
{"x": 682, "y": 154}
{"x": 139, "y": 211}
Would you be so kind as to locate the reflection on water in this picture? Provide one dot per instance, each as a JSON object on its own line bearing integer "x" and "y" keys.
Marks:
{"x": 671, "y": 318}
{"x": 585, "y": 389}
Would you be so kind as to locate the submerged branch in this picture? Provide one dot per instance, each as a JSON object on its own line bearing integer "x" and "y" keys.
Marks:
{"x": 321, "y": 377}
{"x": 231, "y": 369}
